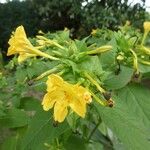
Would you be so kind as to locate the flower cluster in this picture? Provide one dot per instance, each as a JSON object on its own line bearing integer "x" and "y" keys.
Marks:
{"x": 61, "y": 95}
{"x": 19, "y": 44}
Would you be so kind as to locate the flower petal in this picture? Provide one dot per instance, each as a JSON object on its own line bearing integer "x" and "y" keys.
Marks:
{"x": 24, "y": 56}
{"x": 54, "y": 81}
{"x": 78, "y": 106}
{"x": 19, "y": 43}
{"x": 60, "y": 111}
{"x": 20, "y": 32}
{"x": 48, "y": 102}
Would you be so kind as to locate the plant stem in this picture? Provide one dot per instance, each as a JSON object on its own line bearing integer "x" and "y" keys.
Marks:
{"x": 47, "y": 72}
{"x": 50, "y": 41}
{"x": 135, "y": 60}
{"x": 94, "y": 82}
{"x": 93, "y": 131}
{"x": 57, "y": 143}
{"x": 55, "y": 43}
{"x": 144, "y": 62}
{"x": 39, "y": 53}
{"x": 103, "y": 103}
{"x": 144, "y": 37}
{"x": 99, "y": 50}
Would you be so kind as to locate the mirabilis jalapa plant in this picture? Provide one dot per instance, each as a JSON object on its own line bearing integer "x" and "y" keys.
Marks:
{"x": 61, "y": 94}
{"x": 98, "y": 78}
{"x": 88, "y": 85}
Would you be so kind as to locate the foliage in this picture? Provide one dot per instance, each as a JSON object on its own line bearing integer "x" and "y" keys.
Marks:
{"x": 13, "y": 14}
{"x": 111, "y": 14}
{"x": 111, "y": 65}
{"x": 78, "y": 15}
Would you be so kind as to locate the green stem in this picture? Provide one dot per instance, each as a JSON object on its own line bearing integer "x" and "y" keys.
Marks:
{"x": 144, "y": 62}
{"x": 94, "y": 82}
{"x": 144, "y": 37}
{"x": 135, "y": 60}
{"x": 103, "y": 103}
{"x": 98, "y": 50}
{"x": 93, "y": 131}
{"x": 57, "y": 143}
{"x": 50, "y": 41}
{"x": 39, "y": 47}
{"x": 55, "y": 43}
{"x": 47, "y": 73}
{"x": 145, "y": 50}
{"x": 61, "y": 72}
{"x": 57, "y": 53}
{"x": 39, "y": 53}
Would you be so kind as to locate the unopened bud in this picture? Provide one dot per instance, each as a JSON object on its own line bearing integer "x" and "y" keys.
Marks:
{"x": 100, "y": 49}
{"x": 120, "y": 57}
{"x": 146, "y": 26}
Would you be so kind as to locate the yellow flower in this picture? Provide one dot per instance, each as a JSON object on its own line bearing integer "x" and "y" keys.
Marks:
{"x": 94, "y": 31}
{"x": 146, "y": 26}
{"x": 61, "y": 95}
{"x": 19, "y": 44}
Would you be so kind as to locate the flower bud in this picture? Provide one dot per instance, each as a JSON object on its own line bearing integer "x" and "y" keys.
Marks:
{"x": 100, "y": 50}
{"x": 146, "y": 26}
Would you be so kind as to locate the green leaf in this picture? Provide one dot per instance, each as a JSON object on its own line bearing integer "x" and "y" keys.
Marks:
{"x": 130, "y": 117}
{"x": 118, "y": 81}
{"x": 2, "y": 109}
{"x": 41, "y": 130}
{"x": 92, "y": 64}
{"x": 14, "y": 118}
{"x": 9, "y": 144}
{"x": 108, "y": 58}
{"x": 62, "y": 36}
{"x": 144, "y": 68}
{"x": 20, "y": 74}
{"x": 36, "y": 68}
{"x": 30, "y": 103}
{"x": 71, "y": 64}
{"x": 94, "y": 146}
{"x": 74, "y": 143}
{"x": 81, "y": 45}
{"x": 2, "y": 113}
{"x": 137, "y": 101}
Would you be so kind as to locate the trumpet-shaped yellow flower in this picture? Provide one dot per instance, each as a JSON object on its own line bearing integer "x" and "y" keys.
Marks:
{"x": 19, "y": 44}
{"x": 146, "y": 26}
{"x": 61, "y": 95}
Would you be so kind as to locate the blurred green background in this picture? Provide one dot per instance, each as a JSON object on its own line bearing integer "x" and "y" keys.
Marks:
{"x": 81, "y": 16}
